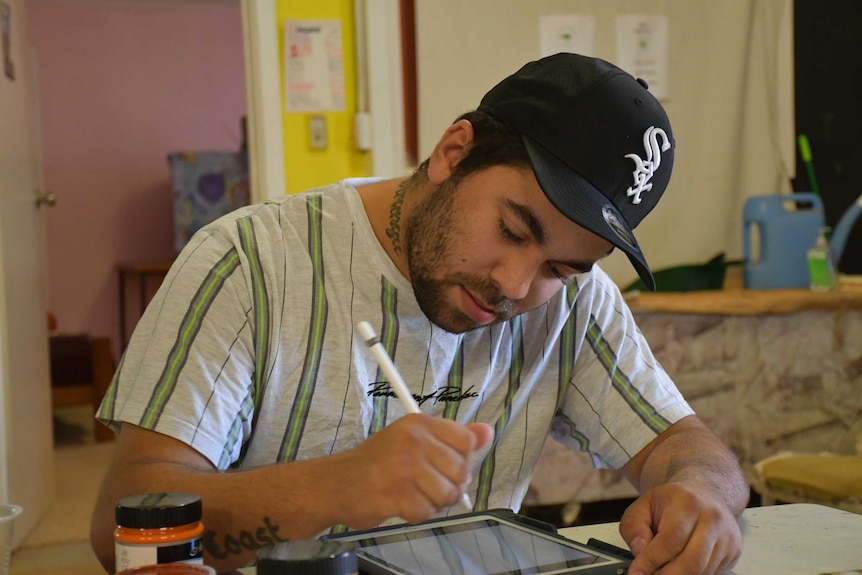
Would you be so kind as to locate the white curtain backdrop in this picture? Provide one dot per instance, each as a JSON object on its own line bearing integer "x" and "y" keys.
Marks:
{"x": 730, "y": 101}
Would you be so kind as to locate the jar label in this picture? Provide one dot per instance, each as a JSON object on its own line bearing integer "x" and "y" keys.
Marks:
{"x": 128, "y": 556}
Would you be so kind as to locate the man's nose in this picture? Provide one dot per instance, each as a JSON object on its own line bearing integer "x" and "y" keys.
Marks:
{"x": 515, "y": 276}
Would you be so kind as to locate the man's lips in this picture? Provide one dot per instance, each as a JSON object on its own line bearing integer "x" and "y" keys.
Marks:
{"x": 473, "y": 308}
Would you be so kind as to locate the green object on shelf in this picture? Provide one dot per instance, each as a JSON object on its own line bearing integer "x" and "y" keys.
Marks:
{"x": 805, "y": 152}
{"x": 689, "y": 277}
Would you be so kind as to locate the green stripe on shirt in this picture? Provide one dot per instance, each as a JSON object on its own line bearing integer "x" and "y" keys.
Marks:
{"x": 620, "y": 381}
{"x": 389, "y": 340}
{"x": 317, "y": 328}
{"x": 248, "y": 241}
{"x": 567, "y": 342}
{"x": 251, "y": 405}
{"x": 235, "y": 434}
{"x": 516, "y": 364}
{"x": 561, "y": 419}
{"x": 191, "y": 324}
{"x": 106, "y": 410}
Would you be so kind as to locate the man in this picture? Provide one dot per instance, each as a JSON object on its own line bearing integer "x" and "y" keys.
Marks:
{"x": 246, "y": 384}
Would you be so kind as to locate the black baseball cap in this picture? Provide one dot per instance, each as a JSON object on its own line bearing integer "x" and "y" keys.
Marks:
{"x": 600, "y": 144}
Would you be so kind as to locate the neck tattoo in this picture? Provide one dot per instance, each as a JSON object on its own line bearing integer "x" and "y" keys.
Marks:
{"x": 393, "y": 232}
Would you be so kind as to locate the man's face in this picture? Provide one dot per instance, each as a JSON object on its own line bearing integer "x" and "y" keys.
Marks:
{"x": 491, "y": 246}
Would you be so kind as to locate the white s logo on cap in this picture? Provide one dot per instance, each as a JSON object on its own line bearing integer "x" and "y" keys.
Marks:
{"x": 644, "y": 169}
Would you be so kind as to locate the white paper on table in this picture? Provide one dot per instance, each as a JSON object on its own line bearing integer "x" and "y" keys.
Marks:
{"x": 642, "y": 49}
{"x": 566, "y": 33}
{"x": 313, "y": 66}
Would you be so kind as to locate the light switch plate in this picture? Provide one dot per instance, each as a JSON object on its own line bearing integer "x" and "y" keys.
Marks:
{"x": 317, "y": 132}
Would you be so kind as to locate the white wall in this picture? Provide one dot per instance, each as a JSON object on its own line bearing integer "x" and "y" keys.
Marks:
{"x": 730, "y": 101}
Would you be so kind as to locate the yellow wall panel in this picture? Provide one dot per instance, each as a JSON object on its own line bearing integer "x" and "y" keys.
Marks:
{"x": 304, "y": 166}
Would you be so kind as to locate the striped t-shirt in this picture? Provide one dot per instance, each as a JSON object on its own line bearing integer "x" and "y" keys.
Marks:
{"x": 248, "y": 354}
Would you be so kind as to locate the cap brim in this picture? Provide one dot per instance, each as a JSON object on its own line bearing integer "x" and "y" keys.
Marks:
{"x": 583, "y": 204}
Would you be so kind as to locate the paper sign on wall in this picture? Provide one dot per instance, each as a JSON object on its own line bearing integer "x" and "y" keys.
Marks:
{"x": 566, "y": 33}
{"x": 6, "y": 39}
{"x": 313, "y": 66}
{"x": 642, "y": 49}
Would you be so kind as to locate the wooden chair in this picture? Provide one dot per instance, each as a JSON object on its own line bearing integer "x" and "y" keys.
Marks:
{"x": 81, "y": 370}
{"x": 830, "y": 479}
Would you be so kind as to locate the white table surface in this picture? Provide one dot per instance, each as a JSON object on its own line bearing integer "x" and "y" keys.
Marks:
{"x": 793, "y": 539}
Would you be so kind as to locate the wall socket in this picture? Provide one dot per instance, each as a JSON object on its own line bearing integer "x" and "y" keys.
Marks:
{"x": 317, "y": 132}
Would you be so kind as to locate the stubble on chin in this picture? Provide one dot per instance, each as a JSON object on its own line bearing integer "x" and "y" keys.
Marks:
{"x": 430, "y": 233}
{"x": 428, "y": 237}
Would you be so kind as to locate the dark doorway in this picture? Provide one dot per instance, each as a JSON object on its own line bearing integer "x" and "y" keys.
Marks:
{"x": 829, "y": 109}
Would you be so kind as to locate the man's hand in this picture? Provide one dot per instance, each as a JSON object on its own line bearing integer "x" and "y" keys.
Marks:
{"x": 680, "y": 529}
{"x": 410, "y": 469}
{"x": 692, "y": 489}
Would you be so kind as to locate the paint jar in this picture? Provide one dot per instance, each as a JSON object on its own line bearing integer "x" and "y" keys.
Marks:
{"x": 156, "y": 528}
{"x": 308, "y": 557}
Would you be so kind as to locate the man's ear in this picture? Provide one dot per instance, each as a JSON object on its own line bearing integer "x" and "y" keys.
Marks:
{"x": 453, "y": 146}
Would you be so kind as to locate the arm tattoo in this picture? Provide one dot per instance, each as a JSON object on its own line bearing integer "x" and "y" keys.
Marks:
{"x": 222, "y": 546}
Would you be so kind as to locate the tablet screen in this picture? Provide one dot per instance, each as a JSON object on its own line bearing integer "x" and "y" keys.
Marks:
{"x": 484, "y": 546}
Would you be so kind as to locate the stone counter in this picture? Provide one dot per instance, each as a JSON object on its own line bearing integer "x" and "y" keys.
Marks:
{"x": 739, "y": 302}
{"x": 767, "y": 383}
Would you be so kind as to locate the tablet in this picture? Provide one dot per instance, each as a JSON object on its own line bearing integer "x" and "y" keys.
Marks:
{"x": 491, "y": 543}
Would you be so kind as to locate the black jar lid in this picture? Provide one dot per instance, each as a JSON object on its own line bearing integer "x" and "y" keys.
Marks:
{"x": 308, "y": 557}
{"x": 157, "y": 510}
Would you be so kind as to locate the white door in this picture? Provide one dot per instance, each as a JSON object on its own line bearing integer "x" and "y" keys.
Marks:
{"x": 26, "y": 460}
{"x": 378, "y": 28}
{"x": 263, "y": 89}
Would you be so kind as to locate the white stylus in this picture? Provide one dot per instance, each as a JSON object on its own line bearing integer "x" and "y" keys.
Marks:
{"x": 369, "y": 336}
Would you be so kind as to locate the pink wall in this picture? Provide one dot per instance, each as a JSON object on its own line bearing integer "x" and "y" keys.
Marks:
{"x": 122, "y": 85}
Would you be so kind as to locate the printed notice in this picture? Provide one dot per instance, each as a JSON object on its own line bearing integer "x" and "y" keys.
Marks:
{"x": 6, "y": 38}
{"x": 566, "y": 33}
{"x": 313, "y": 66}
{"x": 642, "y": 49}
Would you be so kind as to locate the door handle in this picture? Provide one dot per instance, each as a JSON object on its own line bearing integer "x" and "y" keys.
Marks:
{"x": 47, "y": 199}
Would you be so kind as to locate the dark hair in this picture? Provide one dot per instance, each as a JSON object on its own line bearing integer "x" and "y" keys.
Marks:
{"x": 494, "y": 144}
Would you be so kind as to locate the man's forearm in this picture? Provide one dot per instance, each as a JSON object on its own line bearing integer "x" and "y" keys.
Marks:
{"x": 694, "y": 454}
{"x": 411, "y": 469}
{"x": 242, "y": 511}
{"x": 692, "y": 492}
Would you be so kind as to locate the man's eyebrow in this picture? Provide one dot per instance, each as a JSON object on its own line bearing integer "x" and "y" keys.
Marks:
{"x": 529, "y": 219}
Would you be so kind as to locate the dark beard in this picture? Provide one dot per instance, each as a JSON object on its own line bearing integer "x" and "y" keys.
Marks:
{"x": 428, "y": 242}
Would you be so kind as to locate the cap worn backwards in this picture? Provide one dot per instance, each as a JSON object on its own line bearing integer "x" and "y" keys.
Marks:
{"x": 600, "y": 144}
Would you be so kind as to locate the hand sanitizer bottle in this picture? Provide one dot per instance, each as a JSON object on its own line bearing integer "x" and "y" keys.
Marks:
{"x": 821, "y": 268}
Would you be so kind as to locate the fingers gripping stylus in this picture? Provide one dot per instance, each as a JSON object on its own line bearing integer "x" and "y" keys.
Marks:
{"x": 396, "y": 382}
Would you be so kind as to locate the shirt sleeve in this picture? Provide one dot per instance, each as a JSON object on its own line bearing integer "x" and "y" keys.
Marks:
{"x": 619, "y": 397}
{"x": 189, "y": 369}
